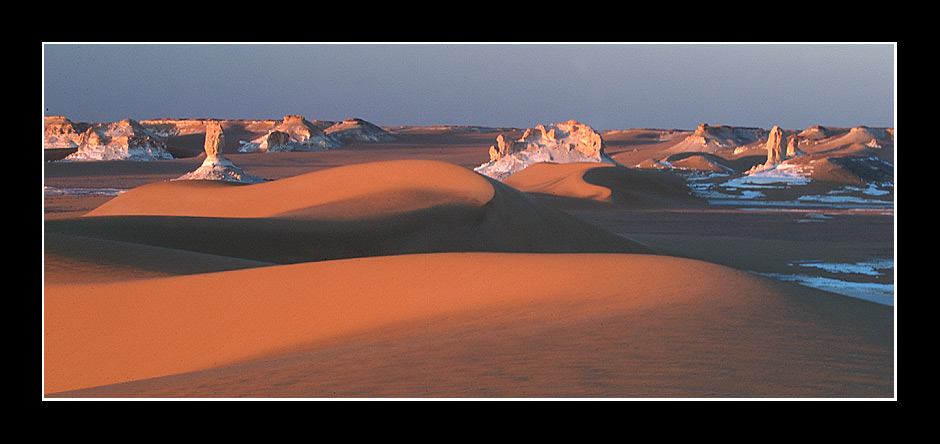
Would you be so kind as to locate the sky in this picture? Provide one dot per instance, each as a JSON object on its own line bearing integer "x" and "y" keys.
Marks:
{"x": 605, "y": 85}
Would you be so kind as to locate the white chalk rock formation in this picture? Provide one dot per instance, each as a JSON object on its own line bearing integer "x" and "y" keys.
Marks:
{"x": 709, "y": 139}
{"x": 216, "y": 166}
{"x": 60, "y": 132}
{"x": 359, "y": 130}
{"x": 776, "y": 147}
{"x": 124, "y": 140}
{"x": 566, "y": 142}
{"x": 779, "y": 150}
{"x": 301, "y": 135}
{"x": 793, "y": 147}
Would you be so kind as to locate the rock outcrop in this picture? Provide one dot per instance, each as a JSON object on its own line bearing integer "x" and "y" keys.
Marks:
{"x": 815, "y": 133}
{"x": 124, "y": 140}
{"x": 709, "y": 139}
{"x": 301, "y": 136}
{"x": 358, "y": 130}
{"x": 216, "y": 166}
{"x": 215, "y": 139}
{"x": 566, "y": 142}
{"x": 60, "y": 132}
{"x": 780, "y": 148}
{"x": 175, "y": 127}
{"x": 793, "y": 147}
{"x": 776, "y": 147}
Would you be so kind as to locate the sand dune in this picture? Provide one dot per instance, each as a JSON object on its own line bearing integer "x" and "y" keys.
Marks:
{"x": 403, "y": 185}
{"x": 761, "y": 341}
{"x": 413, "y": 278}
{"x": 604, "y": 182}
{"x": 374, "y": 209}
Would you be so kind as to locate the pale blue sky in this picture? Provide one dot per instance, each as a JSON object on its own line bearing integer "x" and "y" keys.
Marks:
{"x": 607, "y": 86}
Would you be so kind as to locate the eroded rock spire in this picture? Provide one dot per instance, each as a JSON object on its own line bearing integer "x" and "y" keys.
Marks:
{"x": 216, "y": 166}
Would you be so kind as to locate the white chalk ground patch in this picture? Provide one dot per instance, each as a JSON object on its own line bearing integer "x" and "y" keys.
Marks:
{"x": 751, "y": 190}
{"x": 748, "y": 192}
{"x": 871, "y": 267}
{"x": 53, "y": 191}
{"x": 781, "y": 175}
{"x": 508, "y": 165}
{"x": 869, "y": 291}
{"x": 882, "y": 293}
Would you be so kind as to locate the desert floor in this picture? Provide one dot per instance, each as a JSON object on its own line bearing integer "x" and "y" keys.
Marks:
{"x": 390, "y": 270}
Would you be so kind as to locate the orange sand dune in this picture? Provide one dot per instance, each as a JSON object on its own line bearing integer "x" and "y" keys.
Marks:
{"x": 604, "y": 182}
{"x": 560, "y": 179}
{"x": 360, "y": 210}
{"x": 421, "y": 278}
{"x": 647, "y": 326}
{"x": 389, "y": 186}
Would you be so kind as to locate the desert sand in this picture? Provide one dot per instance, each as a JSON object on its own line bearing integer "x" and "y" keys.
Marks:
{"x": 392, "y": 270}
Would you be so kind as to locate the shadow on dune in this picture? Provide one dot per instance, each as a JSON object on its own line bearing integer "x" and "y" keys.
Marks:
{"x": 584, "y": 184}
{"x": 510, "y": 221}
{"x": 643, "y": 188}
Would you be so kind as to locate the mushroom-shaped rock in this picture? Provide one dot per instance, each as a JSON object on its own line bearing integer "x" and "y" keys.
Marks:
{"x": 216, "y": 166}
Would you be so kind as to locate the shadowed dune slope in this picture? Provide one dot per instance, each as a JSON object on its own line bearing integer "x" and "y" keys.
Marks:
{"x": 636, "y": 188}
{"x": 383, "y": 208}
{"x": 467, "y": 324}
{"x": 389, "y": 186}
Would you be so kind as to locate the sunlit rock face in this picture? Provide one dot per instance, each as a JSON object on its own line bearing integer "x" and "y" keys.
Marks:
{"x": 124, "y": 140}
{"x": 216, "y": 166}
{"x": 301, "y": 135}
{"x": 60, "y": 132}
{"x": 776, "y": 147}
{"x": 566, "y": 142}
{"x": 793, "y": 147}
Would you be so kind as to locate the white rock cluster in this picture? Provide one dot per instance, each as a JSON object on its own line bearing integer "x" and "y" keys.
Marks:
{"x": 294, "y": 133}
{"x": 779, "y": 149}
{"x": 60, "y": 132}
{"x": 124, "y": 140}
{"x": 566, "y": 142}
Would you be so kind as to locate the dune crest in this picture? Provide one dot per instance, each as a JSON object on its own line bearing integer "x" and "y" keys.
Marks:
{"x": 603, "y": 182}
{"x": 373, "y": 209}
{"x": 560, "y": 180}
{"x": 412, "y": 184}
